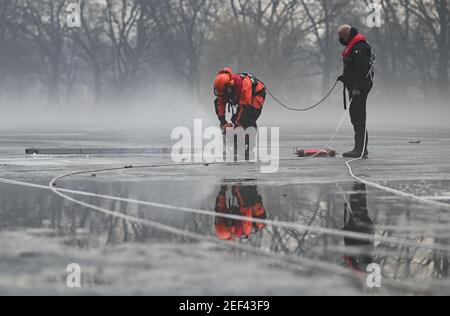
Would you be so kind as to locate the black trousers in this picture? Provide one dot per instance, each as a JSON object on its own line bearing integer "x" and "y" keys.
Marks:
{"x": 246, "y": 117}
{"x": 358, "y": 113}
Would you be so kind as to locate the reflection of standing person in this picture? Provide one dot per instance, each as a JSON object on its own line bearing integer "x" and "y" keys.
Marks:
{"x": 359, "y": 221}
{"x": 245, "y": 201}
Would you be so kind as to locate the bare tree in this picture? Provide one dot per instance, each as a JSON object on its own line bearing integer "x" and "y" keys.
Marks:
{"x": 91, "y": 37}
{"x": 44, "y": 24}
{"x": 323, "y": 16}
{"x": 122, "y": 28}
{"x": 435, "y": 16}
{"x": 10, "y": 41}
{"x": 269, "y": 36}
{"x": 183, "y": 26}
{"x": 128, "y": 45}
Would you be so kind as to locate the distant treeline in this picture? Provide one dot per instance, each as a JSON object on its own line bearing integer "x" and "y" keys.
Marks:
{"x": 139, "y": 48}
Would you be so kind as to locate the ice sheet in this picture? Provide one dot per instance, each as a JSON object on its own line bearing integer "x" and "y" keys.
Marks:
{"x": 40, "y": 233}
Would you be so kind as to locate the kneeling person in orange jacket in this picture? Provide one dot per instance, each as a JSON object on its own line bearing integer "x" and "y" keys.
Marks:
{"x": 241, "y": 92}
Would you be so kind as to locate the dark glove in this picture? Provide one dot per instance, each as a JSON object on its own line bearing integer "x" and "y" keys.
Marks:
{"x": 223, "y": 189}
{"x": 356, "y": 93}
{"x": 227, "y": 125}
{"x": 223, "y": 121}
{"x": 224, "y": 124}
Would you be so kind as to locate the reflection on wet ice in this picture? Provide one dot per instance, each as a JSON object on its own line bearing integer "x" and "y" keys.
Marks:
{"x": 357, "y": 219}
{"x": 243, "y": 200}
{"x": 315, "y": 205}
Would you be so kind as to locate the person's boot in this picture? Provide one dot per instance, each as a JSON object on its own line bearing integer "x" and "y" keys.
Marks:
{"x": 366, "y": 145}
{"x": 352, "y": 153}
{"x": 359, "y": 147}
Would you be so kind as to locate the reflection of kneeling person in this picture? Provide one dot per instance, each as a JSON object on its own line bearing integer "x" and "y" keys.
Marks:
{"x": 359, "y": 221}
{"x": 246, "y": 202}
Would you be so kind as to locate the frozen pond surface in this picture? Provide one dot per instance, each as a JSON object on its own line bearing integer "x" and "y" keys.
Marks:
{"x": 40, "y": 233}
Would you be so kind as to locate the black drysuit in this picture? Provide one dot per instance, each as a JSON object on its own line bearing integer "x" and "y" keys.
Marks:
{"x": 358, "y": 76}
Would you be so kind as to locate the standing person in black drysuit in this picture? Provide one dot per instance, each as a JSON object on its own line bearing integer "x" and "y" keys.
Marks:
{"x": 358, "y": 80}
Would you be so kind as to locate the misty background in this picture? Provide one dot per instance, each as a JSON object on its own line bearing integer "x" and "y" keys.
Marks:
{"x": 152, "y": 63}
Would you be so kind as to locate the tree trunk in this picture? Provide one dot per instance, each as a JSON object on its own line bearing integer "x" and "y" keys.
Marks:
{"x": 53, "y": 85}
{"x": 97, "y": 86}
{"x": 443, "y": 47}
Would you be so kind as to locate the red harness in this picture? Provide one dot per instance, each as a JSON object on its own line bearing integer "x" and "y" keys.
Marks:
{"x": 348, "y": 50}
{"x": 237, "y": 87}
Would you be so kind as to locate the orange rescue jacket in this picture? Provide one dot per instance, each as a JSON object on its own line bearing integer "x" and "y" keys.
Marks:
{"x": 248, "y": 91}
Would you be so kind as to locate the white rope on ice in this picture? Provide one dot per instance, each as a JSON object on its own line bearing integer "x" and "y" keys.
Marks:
{"x": 282, "y": 258}
{"x": 281, "y": 224}
{"x": 326, "y": 146}
{"x": 431, "y": 201}
{"x": 391, "y": 190}
{"x": 321, "y": 230}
